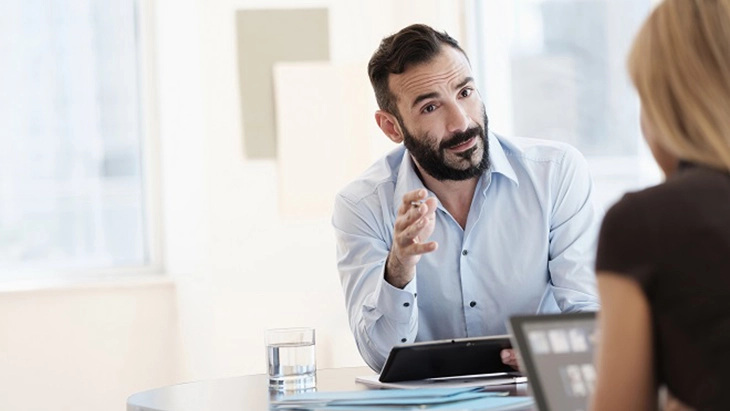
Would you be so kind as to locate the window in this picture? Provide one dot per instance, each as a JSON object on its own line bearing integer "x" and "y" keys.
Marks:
{"x": 73, "y": 177}
{"x": 556, "y": 69}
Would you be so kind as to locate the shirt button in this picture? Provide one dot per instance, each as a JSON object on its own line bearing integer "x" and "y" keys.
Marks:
{"x": 406, "y": 304}
{"x": 415, "y": 295}
{"x": 465, "y": 252}
{"x": 403, "y": 340}
{"x": 472, "y": 304}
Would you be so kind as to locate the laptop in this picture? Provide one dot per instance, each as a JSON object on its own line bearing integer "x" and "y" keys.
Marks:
{"x": 556, "y": 353}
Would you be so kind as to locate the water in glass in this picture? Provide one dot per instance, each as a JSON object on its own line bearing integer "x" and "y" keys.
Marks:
{"x": 292, "y": 365}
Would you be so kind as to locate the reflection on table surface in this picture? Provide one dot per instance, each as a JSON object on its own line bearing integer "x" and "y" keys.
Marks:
{"x": 249, "y": 393}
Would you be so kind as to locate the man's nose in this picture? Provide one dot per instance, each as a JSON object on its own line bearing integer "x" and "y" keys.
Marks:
{"x": 457, "y": 120}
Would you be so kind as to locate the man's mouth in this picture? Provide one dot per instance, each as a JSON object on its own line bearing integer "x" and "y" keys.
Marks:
{"x": 464, "y": 146}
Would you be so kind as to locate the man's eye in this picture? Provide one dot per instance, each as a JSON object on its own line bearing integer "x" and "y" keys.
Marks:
{"x": 429, "y": 108}
{"x": 466, "y": 92}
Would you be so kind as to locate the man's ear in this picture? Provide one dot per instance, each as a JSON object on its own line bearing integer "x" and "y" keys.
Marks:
{"x": 390, "y": 126}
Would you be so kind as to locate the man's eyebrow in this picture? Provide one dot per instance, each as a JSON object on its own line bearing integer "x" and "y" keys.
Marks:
{"x": 434, "y": 94}
{"x": 424, "y": 97}
{"x": 465, "y": 82}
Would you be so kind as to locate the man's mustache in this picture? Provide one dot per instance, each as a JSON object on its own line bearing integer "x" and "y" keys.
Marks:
{"x": 461, "y": 137}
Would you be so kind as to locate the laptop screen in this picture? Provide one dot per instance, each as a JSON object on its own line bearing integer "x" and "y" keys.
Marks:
{"x": 557, "y": 355}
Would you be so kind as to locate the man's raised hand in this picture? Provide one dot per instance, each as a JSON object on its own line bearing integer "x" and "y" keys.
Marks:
{"x": 413, "y": 225}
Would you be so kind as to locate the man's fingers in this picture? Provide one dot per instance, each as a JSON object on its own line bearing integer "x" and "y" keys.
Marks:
{"x": 413, "y": 200}
{"x": 431, "y": 203}
{"x": 415, "y": 231}
{"x": 415, "y": 196}
{"x": 409, "y": 214}
{"x": 414, "y": 224}
{"x": 509, "y": 357}
{"x": 413, "y": 235}
{"x": 408, "y": 238}
{"x": 422, "y": 248}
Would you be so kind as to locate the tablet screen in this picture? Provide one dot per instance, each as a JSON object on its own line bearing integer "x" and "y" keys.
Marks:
{"x": 557, "y": 353}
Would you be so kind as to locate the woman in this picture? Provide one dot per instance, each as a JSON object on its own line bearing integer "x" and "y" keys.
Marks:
{"x": 663, "y": 259}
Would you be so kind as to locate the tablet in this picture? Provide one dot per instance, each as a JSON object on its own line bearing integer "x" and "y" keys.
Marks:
{"x": 446, "y": 358}
{"x": 556, "y": 352}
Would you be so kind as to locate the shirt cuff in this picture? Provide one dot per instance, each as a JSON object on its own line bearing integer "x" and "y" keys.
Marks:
{"x": 398, "y": 305}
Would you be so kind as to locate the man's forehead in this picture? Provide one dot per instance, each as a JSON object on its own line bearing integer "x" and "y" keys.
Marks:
{"x": 449, "y": 67}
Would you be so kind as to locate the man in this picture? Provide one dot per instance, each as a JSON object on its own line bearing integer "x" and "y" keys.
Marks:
{"x": 458, "y": 229}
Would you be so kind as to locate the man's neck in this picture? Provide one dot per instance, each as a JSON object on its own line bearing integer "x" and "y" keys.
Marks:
{"x": 455, "y": 196}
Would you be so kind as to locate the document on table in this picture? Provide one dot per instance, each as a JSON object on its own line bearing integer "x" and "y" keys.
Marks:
{"x": 487, "y": 380}
{"x": 402, "y": 399}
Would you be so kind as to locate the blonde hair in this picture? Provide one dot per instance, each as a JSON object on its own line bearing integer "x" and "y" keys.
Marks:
{"x": 680, "y": 66}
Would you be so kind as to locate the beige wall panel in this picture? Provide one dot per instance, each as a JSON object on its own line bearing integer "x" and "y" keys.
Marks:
{"x": 266, "y": 37}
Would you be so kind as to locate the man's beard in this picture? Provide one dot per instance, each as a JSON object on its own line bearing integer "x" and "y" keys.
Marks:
{"x": 433, "y": 159}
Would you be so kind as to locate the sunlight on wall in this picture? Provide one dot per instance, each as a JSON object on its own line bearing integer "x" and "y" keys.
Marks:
{"x": 325, "y": 129}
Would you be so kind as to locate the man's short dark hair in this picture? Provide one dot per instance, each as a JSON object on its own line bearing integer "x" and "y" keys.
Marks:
{"x": 413, "y": 45}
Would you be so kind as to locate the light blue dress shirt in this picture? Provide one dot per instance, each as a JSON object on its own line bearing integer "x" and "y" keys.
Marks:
{"x": 528, "y": 247}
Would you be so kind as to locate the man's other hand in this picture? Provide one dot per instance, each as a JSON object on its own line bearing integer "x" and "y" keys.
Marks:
{"x": 509, "y": 357}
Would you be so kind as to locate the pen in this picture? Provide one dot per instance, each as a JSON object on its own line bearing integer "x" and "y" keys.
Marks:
{"x": 418, "y": 203}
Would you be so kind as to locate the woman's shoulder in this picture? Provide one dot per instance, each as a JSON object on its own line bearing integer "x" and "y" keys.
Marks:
{"x": 634, "y": 205}
{"x": 637, "y": 214}
{"x": 686, "y": 199}
{"x": 633, "y": 231}
{"x": 692, "y": 189}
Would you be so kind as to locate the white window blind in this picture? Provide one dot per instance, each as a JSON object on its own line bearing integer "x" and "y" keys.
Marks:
{"x": 72, "y": 175}
{"x": 556, "y": 69}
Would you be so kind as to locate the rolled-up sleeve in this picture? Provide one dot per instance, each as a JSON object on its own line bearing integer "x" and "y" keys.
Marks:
{"x": 575, "y": 222}
{"x": 380, "y": 315}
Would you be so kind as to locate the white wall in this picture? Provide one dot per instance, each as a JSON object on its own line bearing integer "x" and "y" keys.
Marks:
{"x": 86, "y": 348}
{"x": 236, "y": 267}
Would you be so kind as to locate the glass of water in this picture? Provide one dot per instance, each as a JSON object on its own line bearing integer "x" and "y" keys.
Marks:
{"x": 291, "y": 357}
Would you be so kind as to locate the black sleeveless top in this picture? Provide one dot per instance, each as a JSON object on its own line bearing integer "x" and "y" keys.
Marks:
{"x": 674, "y": 240}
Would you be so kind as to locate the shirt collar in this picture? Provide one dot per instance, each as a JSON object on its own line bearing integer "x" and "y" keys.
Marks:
{"x": 499, "y": 162}
{"x": 408, "y": 179}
